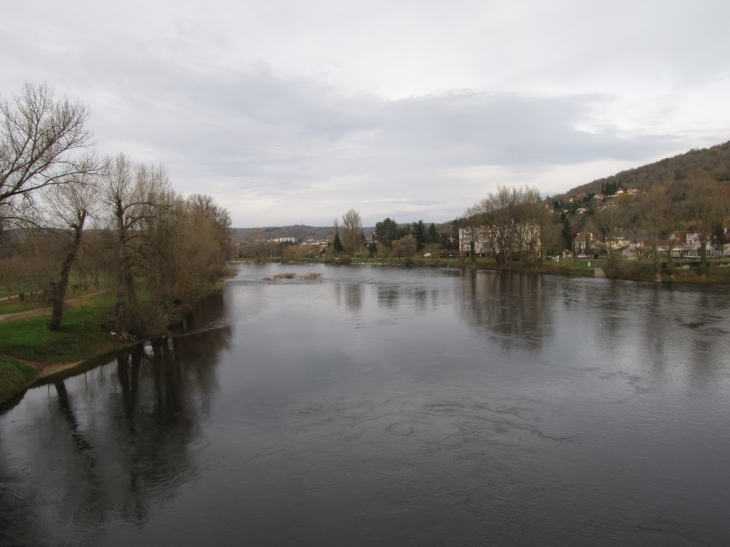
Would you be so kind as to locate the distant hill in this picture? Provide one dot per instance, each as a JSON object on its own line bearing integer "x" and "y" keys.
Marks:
{"x": 714, "y": 161}
{"x": 300, "y": 232}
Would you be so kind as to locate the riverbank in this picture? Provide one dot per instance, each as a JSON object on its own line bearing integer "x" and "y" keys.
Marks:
{"x": 26, "y": 343}
{"x": 580, "y": 268}
{"x": 679, "y": 271}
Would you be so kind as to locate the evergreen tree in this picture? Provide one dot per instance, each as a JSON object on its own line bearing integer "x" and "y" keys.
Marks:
{"x": 566, "y": 234}
{"x": 338, "y": 243}
{"x": 420, "y": 234}
{"x": 403, "y": 231}
{"x": 433, "y": 235}
{"x": 386, "y": 232}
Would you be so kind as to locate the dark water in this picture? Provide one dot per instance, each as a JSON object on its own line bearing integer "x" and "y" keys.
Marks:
{"x": 391, "y": 407}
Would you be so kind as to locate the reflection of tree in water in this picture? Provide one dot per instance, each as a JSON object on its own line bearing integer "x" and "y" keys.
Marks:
{"x": 351, "y": 294}
{"x": 416, "y": 297}
{"x": 511, "y": 308}
{"x": 661, "y": 327}
{"x": 209, "y": 311}
{"x": 388, "y": 296}
{"x": 110, "y": 444}
{"x": 697, "y": 322}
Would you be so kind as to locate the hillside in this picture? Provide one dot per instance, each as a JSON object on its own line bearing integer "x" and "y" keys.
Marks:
{"x": 714, "y": 161}
{"x": 300, "y": 232}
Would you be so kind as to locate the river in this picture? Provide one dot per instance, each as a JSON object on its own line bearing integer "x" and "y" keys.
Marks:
{"x": 386, "y": 406}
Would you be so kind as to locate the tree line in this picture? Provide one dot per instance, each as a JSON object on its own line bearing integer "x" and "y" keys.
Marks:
{"x": 517, "y": 224}
{"x": 510, "y": 223}
{"x": 67, "y": 214}
{"x": 388, "y": 239}
{"x": 696, "y": 203}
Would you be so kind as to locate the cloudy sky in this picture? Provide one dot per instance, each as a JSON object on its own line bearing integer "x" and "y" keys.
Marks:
{"x": 293, "y": 112}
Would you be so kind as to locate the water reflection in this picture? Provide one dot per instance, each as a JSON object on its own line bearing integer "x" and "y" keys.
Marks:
{"x": 387, "y": 406}
{"x": 510, "y": 309}
{"x": 388, "y": 296}
{"x": 351, "y": 294}
{"x": 108, "y": 445}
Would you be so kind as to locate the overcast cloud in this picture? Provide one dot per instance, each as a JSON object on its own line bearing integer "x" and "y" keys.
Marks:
{"x": 294, "y": 112}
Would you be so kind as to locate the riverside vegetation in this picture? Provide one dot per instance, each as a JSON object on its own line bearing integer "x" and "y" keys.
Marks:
{"x": 70, "y": 219}
{"x": 134, "y": 252}
{"x": 515, "y": 229}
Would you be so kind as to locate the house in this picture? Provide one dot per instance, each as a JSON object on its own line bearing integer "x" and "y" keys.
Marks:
{"x": 582, "y": 242}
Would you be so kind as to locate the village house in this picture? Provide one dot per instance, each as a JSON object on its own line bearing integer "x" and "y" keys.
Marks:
{"x": 582, "y": 242}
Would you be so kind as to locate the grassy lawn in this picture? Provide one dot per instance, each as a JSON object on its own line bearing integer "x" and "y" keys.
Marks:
{"x": 84, "y": 333}
{"x": 14, "y": 377}
{"x": 14, "y": 305}
{"x": 33, "y": 300}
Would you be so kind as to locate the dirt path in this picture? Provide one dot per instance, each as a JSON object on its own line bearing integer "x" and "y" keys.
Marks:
{"x": 48, "y": 369}
{"x": 35, "y": 312}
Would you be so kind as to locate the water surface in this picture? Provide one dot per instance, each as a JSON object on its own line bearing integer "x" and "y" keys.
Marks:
{"x": 392, "y": 407}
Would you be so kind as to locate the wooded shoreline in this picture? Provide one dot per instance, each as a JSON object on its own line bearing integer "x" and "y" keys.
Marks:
{"x": 22, "y": 367}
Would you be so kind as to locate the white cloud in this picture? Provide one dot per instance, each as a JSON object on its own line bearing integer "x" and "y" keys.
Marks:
{"x": 294, "y": 112}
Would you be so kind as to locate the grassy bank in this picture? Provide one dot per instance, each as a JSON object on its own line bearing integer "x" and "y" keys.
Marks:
{"x": 577, "y": 268}
{"x": 680, "y": 271}
{"x": 15, "y": 377}
{"x": 84, "y": 333}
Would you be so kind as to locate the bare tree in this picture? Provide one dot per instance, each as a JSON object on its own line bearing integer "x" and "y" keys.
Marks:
{"x": 607, "y": 223}
{"x": 532, "y": 219}
{"x": 471, "y": 227}
{"x": 131, "y": 193}
{"x": 510, "y": 222}
{"x": 705, "y": 205}
{"x": 351, "y": 232}
{"x": 497, "y": 213}
{"x": 69, "y": 205}
{"x": 41, "y": 144}
{"x": 654, "y": 215}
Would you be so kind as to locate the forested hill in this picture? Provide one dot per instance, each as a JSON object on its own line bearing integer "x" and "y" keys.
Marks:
{"x": 300, "y": 232}
{"x": 714, "y": 161}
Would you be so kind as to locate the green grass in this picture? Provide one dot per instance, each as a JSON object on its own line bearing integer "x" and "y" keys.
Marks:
{"x": 14, "y": 378}
{"x": 84, "y": 333}
{"x": 14, "y": 305}
{"x": 35, "y": 300}
{"x": 681, "y": 271}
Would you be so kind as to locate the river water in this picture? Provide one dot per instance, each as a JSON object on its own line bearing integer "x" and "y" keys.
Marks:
{"x": 384, "y": 406}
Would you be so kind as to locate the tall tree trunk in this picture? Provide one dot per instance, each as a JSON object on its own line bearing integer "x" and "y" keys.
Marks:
{"x": 59, "y": 290}
{"x": 120, "y": 309}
